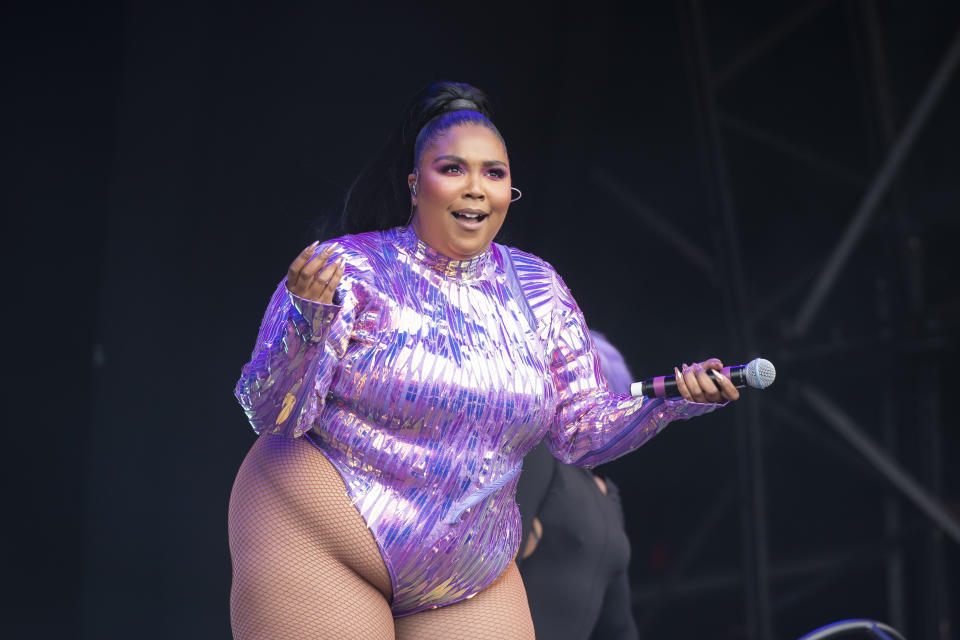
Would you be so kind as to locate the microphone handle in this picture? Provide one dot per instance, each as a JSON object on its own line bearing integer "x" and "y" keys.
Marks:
{"x": 666, "y": 386}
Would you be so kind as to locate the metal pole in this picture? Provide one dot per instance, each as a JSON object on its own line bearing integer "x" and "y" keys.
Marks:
{"x": 753, "y": 522}
{"x": 896, "y": 600}
{"x": 878, "y": 188}
{"x": 938, "y": 607}
{"x": 879, "y": 97}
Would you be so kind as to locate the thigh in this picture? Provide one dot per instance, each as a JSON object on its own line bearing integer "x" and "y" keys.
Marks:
{"x": 304, "y": 563}
{"x": 499, "y": 611}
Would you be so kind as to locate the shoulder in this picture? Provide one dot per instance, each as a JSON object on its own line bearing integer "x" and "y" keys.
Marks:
{"x": 539, "y": 280}
{"x": 363, "y": 254}
{"x": 528, "y": 264}
{"x": 356, "y": 247}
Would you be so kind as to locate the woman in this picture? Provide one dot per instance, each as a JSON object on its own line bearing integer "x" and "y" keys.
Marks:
{"x": 398, "y": 379}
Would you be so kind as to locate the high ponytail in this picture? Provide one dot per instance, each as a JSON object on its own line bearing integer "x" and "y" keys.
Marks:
{"x": 378, "y": 199}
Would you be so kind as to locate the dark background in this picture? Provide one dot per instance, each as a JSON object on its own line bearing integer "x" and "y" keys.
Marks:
{"x": 163, "y": 164}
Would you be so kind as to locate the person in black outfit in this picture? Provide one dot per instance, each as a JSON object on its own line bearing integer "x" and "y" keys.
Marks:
{"x": 575, "y": 558}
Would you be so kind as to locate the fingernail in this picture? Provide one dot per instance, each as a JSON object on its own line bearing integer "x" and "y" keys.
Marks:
{"x": 717, "y": 374}
{"x": 676, "y": 372}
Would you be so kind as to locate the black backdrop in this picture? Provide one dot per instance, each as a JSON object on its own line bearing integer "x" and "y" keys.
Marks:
{"x": 164, "y": 163}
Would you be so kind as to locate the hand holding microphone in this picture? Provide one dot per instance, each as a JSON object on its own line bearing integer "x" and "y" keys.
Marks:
{"x": 708, "y": 381}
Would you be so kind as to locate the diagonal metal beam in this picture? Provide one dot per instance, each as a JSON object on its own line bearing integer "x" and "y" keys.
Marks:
{"x": 769, "y": 40}
{"x": 878, "y": 188}
{"x": 658, "y": 223}
{"x": 843, "y": 424}
{"x": 794, "y": 150}
{"x": 813, "y": 433}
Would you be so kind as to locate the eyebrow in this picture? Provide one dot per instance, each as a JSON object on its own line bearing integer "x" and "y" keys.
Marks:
{"x": 486, "y": 163}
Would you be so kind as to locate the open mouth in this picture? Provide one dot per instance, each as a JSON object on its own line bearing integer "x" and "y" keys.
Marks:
{"x": 472, "y": 216}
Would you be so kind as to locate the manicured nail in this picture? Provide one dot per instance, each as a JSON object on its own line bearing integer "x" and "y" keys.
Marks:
{"x": 717, "y": 374}
{"x": 676, "y": 372}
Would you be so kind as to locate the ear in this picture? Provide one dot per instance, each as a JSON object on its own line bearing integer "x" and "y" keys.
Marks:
{"x": 411, "y": 181}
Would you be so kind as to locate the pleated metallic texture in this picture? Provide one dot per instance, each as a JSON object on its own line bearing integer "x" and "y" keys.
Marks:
{"x": 425, "y": 386}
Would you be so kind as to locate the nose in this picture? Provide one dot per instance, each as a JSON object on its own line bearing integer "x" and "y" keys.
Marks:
{"x": 474, "y": 188}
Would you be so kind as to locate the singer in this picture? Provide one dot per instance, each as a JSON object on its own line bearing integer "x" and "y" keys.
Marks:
{"x": 400, "y": 375}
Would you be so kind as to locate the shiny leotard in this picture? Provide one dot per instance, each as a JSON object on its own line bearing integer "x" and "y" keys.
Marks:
{"x": 425, "y": 385}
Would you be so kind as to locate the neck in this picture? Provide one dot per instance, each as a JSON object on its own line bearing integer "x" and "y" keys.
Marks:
{"x": 435, "y": 260}
{"x": 446, "y": 252}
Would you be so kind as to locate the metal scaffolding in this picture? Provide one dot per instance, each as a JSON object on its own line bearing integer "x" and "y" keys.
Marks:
{"x": 807, "y": 293}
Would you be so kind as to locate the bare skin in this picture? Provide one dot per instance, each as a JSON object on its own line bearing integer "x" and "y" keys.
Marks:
{"x": 696, "y": 386}
{"x": 312, "y": 278}
{"x": 465, "y": 170}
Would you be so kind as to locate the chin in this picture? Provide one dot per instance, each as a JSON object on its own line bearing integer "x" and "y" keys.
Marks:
{"x": 471, "y": 248}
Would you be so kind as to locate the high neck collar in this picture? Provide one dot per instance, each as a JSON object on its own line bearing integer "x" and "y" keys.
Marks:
{"x": 433, "y": 259}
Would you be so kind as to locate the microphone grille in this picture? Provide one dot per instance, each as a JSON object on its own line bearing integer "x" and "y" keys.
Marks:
{"x": 760, "y": 373}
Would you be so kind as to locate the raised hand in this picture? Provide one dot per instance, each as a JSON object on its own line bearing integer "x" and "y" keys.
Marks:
{"x": 315, "y": 277}
{"x": 695, "y": 385}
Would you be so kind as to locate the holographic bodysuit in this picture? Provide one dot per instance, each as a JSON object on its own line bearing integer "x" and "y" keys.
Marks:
{"x": 425, "y": 384}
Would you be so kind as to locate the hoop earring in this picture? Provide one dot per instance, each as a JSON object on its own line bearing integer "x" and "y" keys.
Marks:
{"x": 519, "y": 194}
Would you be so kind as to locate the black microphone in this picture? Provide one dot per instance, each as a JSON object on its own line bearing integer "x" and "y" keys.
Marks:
{"x": 756, "y": 374}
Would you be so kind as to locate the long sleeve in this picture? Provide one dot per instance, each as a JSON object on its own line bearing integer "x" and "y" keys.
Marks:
{"x": 300, "y": 342}
{"x": 593, "y": 425}
{"x": 535, "y": 480}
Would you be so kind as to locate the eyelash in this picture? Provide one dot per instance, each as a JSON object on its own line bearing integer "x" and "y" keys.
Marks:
{"x": 498, "y": 174}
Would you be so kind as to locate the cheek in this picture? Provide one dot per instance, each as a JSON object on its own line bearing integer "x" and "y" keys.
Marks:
{"x": 439, "y": 192}
{"x": 501, "y": 197}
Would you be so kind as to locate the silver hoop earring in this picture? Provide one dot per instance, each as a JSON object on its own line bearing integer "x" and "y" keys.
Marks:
{"x": 518, "y": 196}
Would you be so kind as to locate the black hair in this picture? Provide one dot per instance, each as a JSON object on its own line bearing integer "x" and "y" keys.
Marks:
{"x": 379, "y": 198}
{"x": 442, "y": 123}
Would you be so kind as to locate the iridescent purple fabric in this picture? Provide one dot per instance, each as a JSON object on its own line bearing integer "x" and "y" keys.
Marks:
{"x": 425, "y": 385}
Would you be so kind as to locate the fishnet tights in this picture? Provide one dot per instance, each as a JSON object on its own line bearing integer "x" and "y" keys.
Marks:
{"x": 306, "y": 566}
{"x": 499, "y": 612}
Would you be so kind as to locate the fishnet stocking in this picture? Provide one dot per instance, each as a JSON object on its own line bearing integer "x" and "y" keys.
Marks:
{"x": 304, "y": 563}
{"x": 499, "y": 612}
{"x": 306, "y": 566}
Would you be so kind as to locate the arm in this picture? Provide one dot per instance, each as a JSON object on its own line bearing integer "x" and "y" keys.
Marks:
{"x": 535, "y": 481}
{"x": 593, "y": 425}
{"x": 300, "y": 342}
